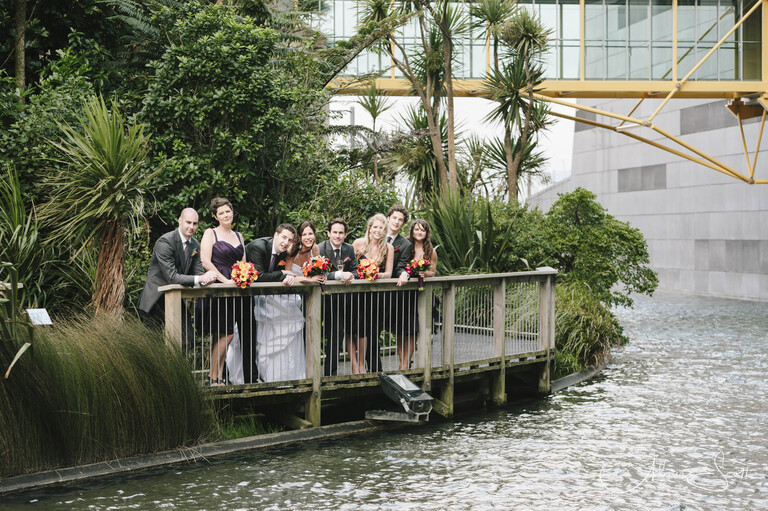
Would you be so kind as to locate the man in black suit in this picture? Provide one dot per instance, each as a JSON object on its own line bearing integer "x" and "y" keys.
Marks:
{"x": 268, "y": 257}
{"x": 336, "y": 306}
{"x": 175, "y": 260}
{"x": 397, "y": 310}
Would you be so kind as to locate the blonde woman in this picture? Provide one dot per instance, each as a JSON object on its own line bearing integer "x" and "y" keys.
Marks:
{"x": 366, "y": 313}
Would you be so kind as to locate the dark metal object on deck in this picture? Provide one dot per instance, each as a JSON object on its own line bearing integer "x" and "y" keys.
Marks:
{"x": 416, "y": 403}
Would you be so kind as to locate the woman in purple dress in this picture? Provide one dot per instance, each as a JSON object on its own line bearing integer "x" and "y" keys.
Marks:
{"x": 220, "y": 248}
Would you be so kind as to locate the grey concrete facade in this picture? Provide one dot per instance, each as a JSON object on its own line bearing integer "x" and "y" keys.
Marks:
{"x": 707, "y": 233}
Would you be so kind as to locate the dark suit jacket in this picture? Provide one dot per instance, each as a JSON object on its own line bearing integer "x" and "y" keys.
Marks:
{"x": 167, "y": 267}
{"x": 403, "y": 255}
{"x": 347, "y": 256}
{"x": 259, "y": 252}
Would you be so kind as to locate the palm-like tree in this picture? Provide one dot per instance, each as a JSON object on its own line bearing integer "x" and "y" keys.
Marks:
{"x": 490, "y": 16}
{"x": 513, "y": 85}
{"x": 375, "y": 104}
{"x": 100, "y": 193}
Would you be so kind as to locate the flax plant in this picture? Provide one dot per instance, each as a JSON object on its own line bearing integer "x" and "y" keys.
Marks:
{"x": 100, "y": 192}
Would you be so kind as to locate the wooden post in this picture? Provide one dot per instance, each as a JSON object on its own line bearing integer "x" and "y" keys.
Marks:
{"x": 173, "y": 317}
{"x": 498, "y": 387}
{"x": 449, "y": 317}
{"x": 314, "y": 339}
{"x": 424, "y": 337}
{"x": 546, "y": 328}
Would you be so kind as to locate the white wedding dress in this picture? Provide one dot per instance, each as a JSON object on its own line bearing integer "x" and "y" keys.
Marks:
{"x": 280, "y": 336}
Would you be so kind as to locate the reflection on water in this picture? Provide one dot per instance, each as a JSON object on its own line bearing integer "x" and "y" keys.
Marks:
{"x": 677, "y": 421}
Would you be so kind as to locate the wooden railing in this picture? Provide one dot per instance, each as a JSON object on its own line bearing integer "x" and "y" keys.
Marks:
{"x": 467, "y": 323}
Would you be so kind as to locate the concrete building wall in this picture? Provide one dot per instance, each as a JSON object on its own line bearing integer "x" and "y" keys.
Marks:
{"x": 707, "y": 233}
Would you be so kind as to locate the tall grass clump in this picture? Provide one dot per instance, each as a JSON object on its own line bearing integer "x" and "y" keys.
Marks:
{"x": 95, "y": 390}
{"x": 585, "y": 330}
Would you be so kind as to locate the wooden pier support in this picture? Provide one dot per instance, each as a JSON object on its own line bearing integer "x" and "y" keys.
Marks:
{"x": 498, "y": 380}
{"x": 449, "y": 318}
{"x": 314, "y": 334}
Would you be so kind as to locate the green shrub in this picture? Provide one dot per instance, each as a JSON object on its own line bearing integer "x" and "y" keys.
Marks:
{"x": 592, "y": 247}
{"x": 233, "y": 116}
{"x": 585, "y": 329}
{"x": 354, "y": 197}
{"x": 95, "y": 390}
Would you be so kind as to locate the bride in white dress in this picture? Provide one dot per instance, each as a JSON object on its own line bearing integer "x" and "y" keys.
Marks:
{"x": 280, "y": 320}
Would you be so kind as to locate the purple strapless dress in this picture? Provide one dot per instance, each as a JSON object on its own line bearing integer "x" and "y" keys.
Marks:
{"x": 216, "y": 316}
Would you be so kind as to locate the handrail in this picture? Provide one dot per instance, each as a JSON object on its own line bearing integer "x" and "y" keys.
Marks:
{"x": 462, "y": 319}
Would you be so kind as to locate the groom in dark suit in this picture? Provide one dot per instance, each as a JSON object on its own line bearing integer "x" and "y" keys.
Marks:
{"x": 336, "y": 306}
{"x": 175, "y": 260}
{"x": 268, "y": 256}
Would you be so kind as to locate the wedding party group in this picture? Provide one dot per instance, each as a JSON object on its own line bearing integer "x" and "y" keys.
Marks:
{"x": 261, "y": 338}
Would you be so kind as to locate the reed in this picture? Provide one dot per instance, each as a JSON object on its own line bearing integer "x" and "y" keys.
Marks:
{"x": 94, "y": 390}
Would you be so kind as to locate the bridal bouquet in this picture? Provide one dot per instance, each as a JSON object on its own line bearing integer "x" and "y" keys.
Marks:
{"x": 417, "y": 266}
{"x": 317, "y": 265}
{"x": 243, "y": 273}
{"x": 368, "y": 270}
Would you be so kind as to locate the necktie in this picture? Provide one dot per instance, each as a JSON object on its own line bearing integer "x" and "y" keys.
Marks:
{"x": 186, "y": 254}
{"x": 389, "y": 239}
{"x": 337, "y": 255}
{"x": 272, "y": 263}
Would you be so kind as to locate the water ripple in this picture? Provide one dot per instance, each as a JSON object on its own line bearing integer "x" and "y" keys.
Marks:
{"x": 677, "y": 421}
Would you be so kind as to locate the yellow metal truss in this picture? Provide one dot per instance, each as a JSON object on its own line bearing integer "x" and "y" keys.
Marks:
{"x": 748, "y": 99}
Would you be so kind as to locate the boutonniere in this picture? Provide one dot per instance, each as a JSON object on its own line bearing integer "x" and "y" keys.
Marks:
{"x": 281, "y": 263}
{"x": 194, "y": 253}
{"x": 397, "y": 249}
{"x": 347, "y": 259}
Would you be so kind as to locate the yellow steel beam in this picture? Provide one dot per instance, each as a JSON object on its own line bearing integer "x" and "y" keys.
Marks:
{"x": 757, "y": 150}
{"x": 679, "y": 85}
{"x": 674, "y": 40}
{"x": 582, "y": 37}
{"x": 577, "y": 88}
{"x": 647, "y": 141}
{"x": 764, "y": 43}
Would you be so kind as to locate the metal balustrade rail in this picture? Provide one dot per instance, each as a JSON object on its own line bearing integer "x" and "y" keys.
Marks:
{"x": 301, "y": 340}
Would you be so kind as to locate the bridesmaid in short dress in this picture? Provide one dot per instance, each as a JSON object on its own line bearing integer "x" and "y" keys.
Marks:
{"x": 220, "y": 248}
{"x": 366, "y": 313}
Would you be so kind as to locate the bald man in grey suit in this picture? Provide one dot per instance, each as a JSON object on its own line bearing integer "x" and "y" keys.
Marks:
{"x": 175, "y": 260}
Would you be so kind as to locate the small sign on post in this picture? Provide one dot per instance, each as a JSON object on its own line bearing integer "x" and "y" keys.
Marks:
{"x": 39, "y": 317}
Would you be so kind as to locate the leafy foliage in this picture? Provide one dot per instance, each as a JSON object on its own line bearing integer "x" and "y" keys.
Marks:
{"x": 592, "y": 247}
{"x": 354, "y": 198}
{"x": 101, "y": 191}
{"x": 585, "y": 329}
{"x": 232, "y": 117}
{"x": 26, "y": 130}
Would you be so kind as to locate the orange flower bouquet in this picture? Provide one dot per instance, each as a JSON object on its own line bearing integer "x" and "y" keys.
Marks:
{"x": 317, "y": 265}
{"x": 368, "y": 270}
{"x": 243, "y": 273}
{"x": 417, "y": 266}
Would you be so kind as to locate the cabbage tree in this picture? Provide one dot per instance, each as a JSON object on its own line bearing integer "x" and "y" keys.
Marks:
{"x": 100, "y": 192}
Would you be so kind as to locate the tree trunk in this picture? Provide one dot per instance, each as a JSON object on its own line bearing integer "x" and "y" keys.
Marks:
{"x": 110, "y": 287}
{"x": 524, "y": 132}
{"x": 447, "y": 54}
{"x": 511, "y": 168}
{"x": 433, "y": 124}
{"x": 21, "y": 26}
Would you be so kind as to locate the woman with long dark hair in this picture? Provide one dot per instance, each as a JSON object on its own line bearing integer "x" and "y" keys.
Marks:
{"x": 421, "y": 239}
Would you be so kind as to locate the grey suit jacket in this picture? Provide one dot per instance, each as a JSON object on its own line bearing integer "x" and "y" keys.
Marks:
{"x": 167, "y": 267}
{"x": 349, "y": 262}
{"x": 403, "y": 255}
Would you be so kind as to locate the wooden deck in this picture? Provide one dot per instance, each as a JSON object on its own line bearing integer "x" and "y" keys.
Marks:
{"x": 492, "y": 335}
